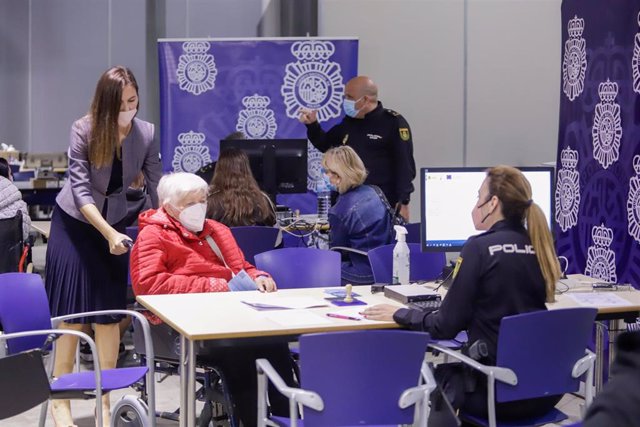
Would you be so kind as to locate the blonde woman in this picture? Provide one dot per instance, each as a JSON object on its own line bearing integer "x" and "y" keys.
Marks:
{"x": 359, "y": 219}
{"x": 509, "y": 269}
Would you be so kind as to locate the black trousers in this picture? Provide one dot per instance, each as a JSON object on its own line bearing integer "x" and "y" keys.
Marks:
{"x": 467, "y": 390}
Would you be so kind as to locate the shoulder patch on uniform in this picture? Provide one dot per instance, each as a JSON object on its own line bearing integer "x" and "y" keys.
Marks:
{"x": 405, "y": 135}
{"x": 392, "y": 112}
{"x": 457, "y": 267}
{"x": 345, "y": 139}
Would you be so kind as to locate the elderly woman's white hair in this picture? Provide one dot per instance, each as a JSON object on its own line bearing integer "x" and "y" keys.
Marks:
{"x": 174, "y": 187}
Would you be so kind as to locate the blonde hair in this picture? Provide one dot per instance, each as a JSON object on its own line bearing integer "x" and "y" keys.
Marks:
{"x": 514, "y": 191}
{"x": 345, "y": 163}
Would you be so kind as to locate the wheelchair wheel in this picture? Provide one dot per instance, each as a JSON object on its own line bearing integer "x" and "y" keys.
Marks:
{"x": 130, "y": 411}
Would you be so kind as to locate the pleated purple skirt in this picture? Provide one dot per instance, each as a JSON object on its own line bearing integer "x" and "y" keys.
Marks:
{"x": 81, "y": 274}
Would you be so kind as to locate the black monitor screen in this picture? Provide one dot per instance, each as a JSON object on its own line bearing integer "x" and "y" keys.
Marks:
{"x": 449, "y": 195}
{"x": 279, "y": 165}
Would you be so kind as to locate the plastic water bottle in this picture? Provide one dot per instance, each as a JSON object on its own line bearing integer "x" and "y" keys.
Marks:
{"x": 401, "y": 257}
{"x": 324, "y": 200}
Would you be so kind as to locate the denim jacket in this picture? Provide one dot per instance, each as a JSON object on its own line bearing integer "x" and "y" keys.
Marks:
{"x": 359, "y": 220}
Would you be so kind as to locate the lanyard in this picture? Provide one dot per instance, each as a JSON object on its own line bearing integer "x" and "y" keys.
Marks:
{"x": 217, "y": 251}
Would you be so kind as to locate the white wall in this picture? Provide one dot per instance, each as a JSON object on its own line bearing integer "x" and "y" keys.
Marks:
{"x": 415, "y": 51}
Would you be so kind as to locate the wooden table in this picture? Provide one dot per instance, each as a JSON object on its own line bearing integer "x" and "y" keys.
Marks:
{"x": 223, "y": 315}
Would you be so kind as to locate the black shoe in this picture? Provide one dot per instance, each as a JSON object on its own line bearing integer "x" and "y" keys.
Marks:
{"x": 85, "y": 353}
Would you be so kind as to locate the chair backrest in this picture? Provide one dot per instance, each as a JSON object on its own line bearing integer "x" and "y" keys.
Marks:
{"x": 11, "y": 243}
{"x": 254, "y": 240}
{"x": 542, "y": 347}
{"x": 24, "y": 383}
{"x": 23, "y": 176}
{"x": 413, "y": 232}
{"x": 301, "y": 267}
{"x": 23, "y": 307}
{"x": 360, "y": 375}
{"x": 424, "y": 265}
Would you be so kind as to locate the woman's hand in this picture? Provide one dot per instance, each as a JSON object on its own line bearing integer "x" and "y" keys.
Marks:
{"x": 380, "y": 312}
{"x": 265, "y": 284}
{"x": 117, "y": 245}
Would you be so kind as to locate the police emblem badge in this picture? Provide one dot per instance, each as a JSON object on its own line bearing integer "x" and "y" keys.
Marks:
{"x": 191, "y": 155}
{"x": 313, "y": 82}
{"x": 567, "y": 194}
{"x": 607, "y": 127}
{"x": 404, "y": 134}
{"x": 196, "y": 71}
{"x": 601, "y": 260}
{"x": 574, "y": 63}
{"x": 633, "y": 201}
{"x": 257, "y": 121}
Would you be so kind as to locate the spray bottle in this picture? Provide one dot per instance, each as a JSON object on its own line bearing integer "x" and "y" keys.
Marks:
{"x": 401, "y": 257}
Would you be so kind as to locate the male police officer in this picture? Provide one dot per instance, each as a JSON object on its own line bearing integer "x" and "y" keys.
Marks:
{"x": 380, "y": 136}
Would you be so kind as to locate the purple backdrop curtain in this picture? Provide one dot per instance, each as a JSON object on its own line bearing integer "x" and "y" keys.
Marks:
{"x": 210, "y": 88}
{"x": 598, "y": 179}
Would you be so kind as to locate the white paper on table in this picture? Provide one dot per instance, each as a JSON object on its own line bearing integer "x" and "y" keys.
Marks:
{"x": 297, "y": 318}
{"x": 265, "y": 302}
{"x": 598, "y": 299}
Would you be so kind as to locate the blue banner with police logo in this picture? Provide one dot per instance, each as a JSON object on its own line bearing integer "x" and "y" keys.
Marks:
{"x": 598, "y": 171}
{"x": 210, "y": 88}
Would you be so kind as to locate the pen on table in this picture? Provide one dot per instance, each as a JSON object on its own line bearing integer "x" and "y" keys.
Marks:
{"x": 342, "y": 316}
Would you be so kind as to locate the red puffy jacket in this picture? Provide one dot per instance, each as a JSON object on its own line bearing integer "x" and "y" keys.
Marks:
{"x": 169, "y": 259}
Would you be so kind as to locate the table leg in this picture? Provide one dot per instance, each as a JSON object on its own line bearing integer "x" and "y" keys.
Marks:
{"x": 191, "y": 384}
{"x": 184, "y": 408}
{"x": 600, "y": 333}
{"x": 616, "y": 328}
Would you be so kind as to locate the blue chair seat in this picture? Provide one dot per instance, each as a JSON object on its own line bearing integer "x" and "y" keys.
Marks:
{"x": 553, "y": 417}
{"x": 112, "y": 379}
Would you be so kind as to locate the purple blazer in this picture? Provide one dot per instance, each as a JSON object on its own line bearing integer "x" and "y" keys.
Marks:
{"x": 87, "y": 184}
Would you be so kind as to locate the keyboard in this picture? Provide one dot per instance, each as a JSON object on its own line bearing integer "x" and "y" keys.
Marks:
{"x": 429, "y": 305}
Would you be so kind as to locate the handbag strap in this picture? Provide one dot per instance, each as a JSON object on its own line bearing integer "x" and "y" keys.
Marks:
{"x": 384, "y": 200}
{"x": 216, "y": 250}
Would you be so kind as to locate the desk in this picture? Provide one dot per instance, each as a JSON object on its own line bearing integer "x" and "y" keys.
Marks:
{"x": 616, "y": 314}
{"x": 222, "y": 315}
{"x": 42, "y": 227}
{"x": 40, "y": 192}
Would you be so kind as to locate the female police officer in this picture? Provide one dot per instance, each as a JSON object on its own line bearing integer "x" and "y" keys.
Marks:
{"x": 510, "y": 269}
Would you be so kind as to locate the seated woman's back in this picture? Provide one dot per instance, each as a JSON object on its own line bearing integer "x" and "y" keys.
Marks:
{"x": 234, "y": 196}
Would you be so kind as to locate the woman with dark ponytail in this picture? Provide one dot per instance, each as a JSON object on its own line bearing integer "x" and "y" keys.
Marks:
{"x": 509, "y": 269}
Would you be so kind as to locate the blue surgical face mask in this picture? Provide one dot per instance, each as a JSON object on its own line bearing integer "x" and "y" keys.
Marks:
{"x": 327, "y": 182}
{"x": 349, "y": 107}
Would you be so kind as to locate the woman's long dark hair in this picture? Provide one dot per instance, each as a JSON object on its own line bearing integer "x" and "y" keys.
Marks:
{"x": 104, "y": 112}
{"x": 234, "y": 196}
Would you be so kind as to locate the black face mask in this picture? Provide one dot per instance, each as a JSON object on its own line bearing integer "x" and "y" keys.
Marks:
{"x": 487, "y": 215}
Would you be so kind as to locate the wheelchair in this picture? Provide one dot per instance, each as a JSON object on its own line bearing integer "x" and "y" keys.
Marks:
{"x": 218, "y": 410}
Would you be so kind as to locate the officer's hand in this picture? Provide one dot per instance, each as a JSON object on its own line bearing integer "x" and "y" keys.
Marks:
{"x": 307, "y": 116}
{"x": 380, "y": 312}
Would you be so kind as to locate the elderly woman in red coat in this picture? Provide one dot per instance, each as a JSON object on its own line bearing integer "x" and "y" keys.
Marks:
{"x": 179, "y": 251}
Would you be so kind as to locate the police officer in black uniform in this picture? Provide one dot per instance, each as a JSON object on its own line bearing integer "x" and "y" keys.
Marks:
{"x": 499, "y": 273}
{"x": 380, "y": 136}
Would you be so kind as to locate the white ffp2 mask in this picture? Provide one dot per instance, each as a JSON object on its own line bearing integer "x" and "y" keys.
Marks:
{"x": 125, "y": 117}
{"x": 192, "y": 217}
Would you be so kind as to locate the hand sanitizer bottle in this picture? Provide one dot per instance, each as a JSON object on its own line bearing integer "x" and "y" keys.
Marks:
{"x": 401, "y": 257}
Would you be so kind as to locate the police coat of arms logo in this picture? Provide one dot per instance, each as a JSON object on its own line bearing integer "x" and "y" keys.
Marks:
{"x": 313, "y": 81}
{"x": 257, "y": 121}
{"x": 567, "y": 194}
{"x": 635, "y": 61}
{"x": 574, "y": 62}
{"x": 633, "y": 201}
{"x": 196, "y": 71}
{"x": 191, "y": 154}
{"x": 607, "y": 127}
{"x": 601, "y": 260}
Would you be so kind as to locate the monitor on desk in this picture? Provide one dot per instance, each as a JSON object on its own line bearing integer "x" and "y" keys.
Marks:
{"x": 279, "y": 165}
{"x": 449, "y": 195}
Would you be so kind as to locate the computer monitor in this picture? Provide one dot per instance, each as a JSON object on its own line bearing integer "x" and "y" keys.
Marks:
{"x": 279, "y": 165}
{"x": 449, "y": 194}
